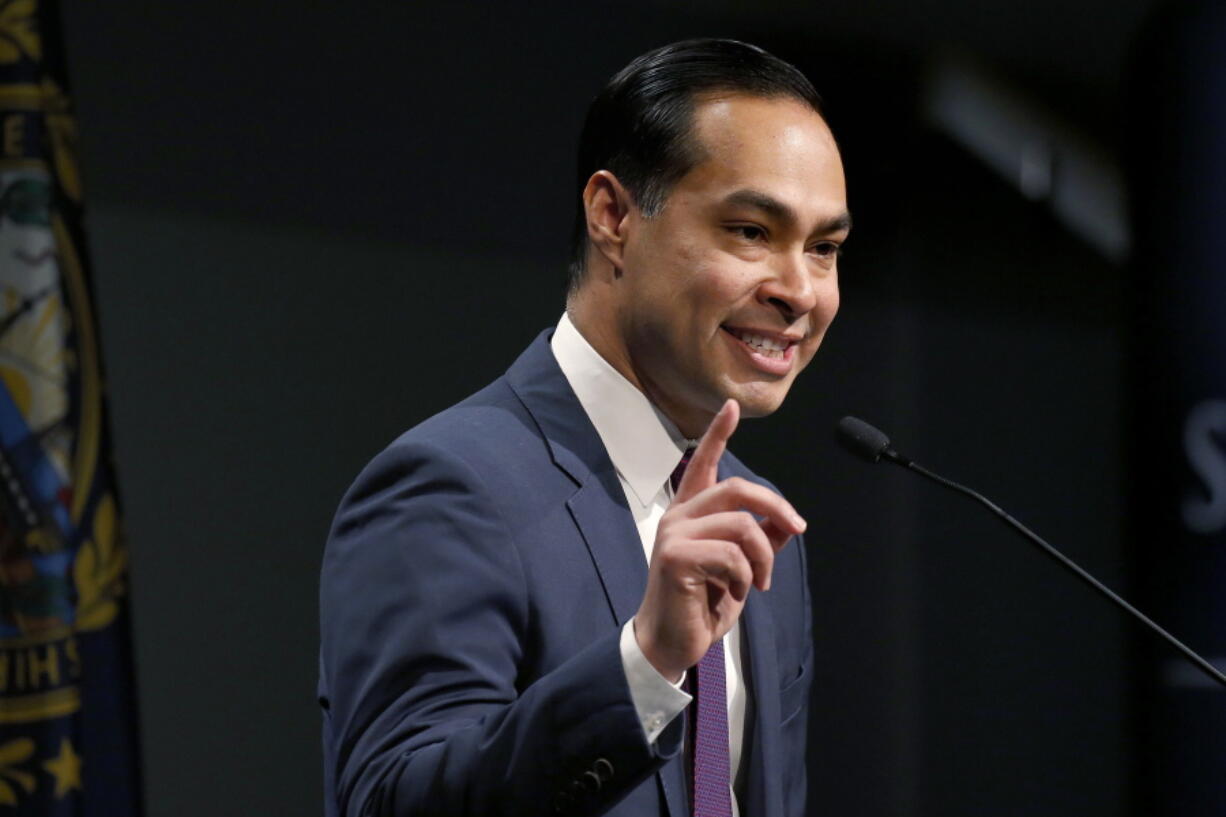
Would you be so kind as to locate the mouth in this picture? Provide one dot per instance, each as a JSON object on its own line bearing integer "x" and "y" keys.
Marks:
{"x": 767, "y": 351}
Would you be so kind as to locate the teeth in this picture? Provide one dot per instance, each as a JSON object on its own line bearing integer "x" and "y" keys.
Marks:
{"x": 763, "y": 345}
{"x": 768, "y": 347}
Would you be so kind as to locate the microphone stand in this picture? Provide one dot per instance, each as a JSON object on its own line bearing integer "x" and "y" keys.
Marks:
{"x": 868, "y": 442}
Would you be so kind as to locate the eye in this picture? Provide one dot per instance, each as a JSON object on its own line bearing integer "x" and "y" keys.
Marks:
{"x": 827, "y": 249}
{"x": 749, "y": 232}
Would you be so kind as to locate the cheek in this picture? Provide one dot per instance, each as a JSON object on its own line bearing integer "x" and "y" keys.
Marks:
{"x": 827, "y": 306}
{"x": 695, "y": 285}
{"x": 694, "y": 268}
{"x": 833, "y": 309}
{"x": 670, "y": 271}
{"x": 719, "y": 285}
{"x": 823, "y": 315}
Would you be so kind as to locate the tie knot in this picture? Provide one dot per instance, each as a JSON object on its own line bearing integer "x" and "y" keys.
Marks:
{"x": 679, "y": 471}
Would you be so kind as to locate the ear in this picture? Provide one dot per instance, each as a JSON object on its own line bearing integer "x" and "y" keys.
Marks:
{"x": 607, "y": 206}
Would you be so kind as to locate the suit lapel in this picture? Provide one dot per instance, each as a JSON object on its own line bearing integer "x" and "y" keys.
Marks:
{"x": 599, "y": 510}
{"x": 612, "y": 540}
{"x": 598, "y": 506}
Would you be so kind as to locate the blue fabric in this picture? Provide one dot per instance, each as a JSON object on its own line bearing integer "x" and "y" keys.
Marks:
{"x": 473, "y": 588}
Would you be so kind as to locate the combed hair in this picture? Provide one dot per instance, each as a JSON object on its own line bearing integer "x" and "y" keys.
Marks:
{"x": 638, "y": 126}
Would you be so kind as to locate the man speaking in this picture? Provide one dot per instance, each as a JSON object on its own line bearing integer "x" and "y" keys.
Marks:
{"x": 563, "y": 595}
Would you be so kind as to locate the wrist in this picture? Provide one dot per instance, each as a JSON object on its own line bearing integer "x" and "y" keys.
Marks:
{"x": 671, "y": 674}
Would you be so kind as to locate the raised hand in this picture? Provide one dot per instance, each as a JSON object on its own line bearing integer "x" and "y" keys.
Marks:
{"x": 709, "y": 551}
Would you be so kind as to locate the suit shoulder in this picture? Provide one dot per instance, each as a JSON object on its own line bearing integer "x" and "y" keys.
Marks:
{"x": 487, "y": 443}
{"x": 486, "y": 427}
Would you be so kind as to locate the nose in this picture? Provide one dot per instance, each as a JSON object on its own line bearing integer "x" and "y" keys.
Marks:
{"x": 794, "y": 289}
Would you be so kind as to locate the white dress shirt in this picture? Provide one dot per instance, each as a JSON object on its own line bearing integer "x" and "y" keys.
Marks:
{"x": 645, "y": 448}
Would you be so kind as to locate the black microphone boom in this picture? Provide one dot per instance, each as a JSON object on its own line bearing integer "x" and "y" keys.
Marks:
{"x": 873, "y": 445}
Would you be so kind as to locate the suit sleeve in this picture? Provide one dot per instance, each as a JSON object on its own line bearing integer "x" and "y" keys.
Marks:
{"x": 424, "y": 616}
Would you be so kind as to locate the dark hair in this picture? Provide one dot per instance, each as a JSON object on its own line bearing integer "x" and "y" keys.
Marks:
{"x": 638, "y": 126}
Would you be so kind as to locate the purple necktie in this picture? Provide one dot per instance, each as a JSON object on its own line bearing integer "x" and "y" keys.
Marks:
{"x": 712, "y": 773}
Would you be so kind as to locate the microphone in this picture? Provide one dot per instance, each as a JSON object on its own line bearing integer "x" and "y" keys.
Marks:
{"x": 867, "y": 442}
{"x": 872, "y": 444}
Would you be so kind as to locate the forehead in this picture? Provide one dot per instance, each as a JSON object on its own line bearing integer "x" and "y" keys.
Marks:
{"x": 777, "y": 145}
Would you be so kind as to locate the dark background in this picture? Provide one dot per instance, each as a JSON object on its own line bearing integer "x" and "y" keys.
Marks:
{"x": 314, "y": 225}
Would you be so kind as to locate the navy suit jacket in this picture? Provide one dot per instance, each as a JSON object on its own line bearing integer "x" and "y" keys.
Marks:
{"x": 473, "y": 589}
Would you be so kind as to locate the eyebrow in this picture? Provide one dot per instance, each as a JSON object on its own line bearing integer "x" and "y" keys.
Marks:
{"x": 777, "y": 209}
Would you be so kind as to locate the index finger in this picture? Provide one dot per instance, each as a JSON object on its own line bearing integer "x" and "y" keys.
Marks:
{"x": 703, "y": 469}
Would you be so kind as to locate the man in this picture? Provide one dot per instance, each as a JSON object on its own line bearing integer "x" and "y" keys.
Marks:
{"x": 522, "y": 613}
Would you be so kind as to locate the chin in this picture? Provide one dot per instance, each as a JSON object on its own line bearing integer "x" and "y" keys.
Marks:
{"x": 757, "y": 404}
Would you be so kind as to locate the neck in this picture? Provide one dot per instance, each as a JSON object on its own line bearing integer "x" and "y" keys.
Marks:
{"x": 597, "y": 323}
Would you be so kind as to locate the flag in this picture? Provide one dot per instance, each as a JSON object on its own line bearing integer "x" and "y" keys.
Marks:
{"x": 67, "y": 715}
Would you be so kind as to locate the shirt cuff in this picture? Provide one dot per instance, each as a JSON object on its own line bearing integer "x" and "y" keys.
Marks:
{"x": 656, "y": 699}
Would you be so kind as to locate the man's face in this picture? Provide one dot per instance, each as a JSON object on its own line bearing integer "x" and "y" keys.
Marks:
{"x": 728, "y": 291}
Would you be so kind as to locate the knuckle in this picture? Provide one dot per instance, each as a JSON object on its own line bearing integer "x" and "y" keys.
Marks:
{"x": 737, "y": 484}
{"x": 671, "y": 528}
{"x": 733, "y": 555}
{"x": 668, "y": 559}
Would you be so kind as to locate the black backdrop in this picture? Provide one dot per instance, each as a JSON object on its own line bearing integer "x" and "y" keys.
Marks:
{"x": 314, "y": 227}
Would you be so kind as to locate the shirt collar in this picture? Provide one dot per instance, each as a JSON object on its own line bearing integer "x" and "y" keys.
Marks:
{"x": 643, "y": 444}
